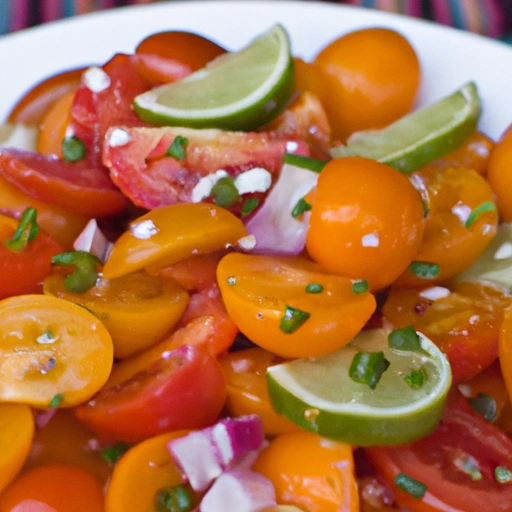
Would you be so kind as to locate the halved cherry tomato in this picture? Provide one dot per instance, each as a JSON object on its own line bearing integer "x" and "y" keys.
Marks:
{"x": 505, "y": 349}
{"x": 366, "y": 221}
{"x": 247, "y": 388}
{"x": 184, "y": 389}
{"x": 159, "y": 70}
{"x": 456, "y": 463}
{"x": 267, "y": 298}
{"x": 137, "y": 309}
{"x": 141, "y": 473}
{"x": 32, "y": 107}
{"x": 187, "y": 48}
{"x": 60, "y": 487}
{"x": 311, "y": 472}
{"x": 23, "y": 271}
{"x": 16, "y": 433}
{"x": 372, "y": 77}
{"x": 53, "y": 352}
{"x": 464, "y": 321}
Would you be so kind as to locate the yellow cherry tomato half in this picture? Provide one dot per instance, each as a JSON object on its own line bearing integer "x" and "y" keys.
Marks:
{"x": 366, "y": 221}
{"x": 173, "y": 233}
{"x": 52, "y": 352}
{"x": 292, "y": 306}
{"x": 16, "y": 433}
{"x": 137, "y": 309}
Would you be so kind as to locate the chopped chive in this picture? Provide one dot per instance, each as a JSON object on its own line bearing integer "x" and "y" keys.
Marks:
{"x": 485, "y": 405}
{"x": 178, "y": 148}
{"x": 225, "y": 193}
{"x": 174, "y": 499}
{"x": 487, "y": 206}
{"x": 73, "y": 149}
{"x": 368, "y": 367}
{"x": 360, "y": 286}
{"x": 503, "y": 475}
{"x": 312, "y": 164}
{"x": 26, "y": 231}
{"x": 56, "y": 400}
{"x": 113, "y": 453}
{"x": 301, "y": 207}
{"x": 405, "y": 339}
{"x": 249, "y": 206}
{"x": 469, "y": 466}
{"x": 84, "y": 276}
{"x": 411, "y": 486}
{"x": 314, "y": 288}
{"x": 416, "y": 378}
{"x": 293, "y": 318}
{"x": 424, "y": 269}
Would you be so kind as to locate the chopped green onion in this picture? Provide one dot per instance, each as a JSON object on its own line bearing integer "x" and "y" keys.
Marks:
{"x": 503, "y": 475}
{"x": 411, "y": 486}
{"x": 301, "y": 207}
{"x": 249, "y": 206}
{"x": 360, "y": 286}
{"x": 26, "y": 231}
{"x": 484, "y": 405}
{"x": 405, "y": 339}
{"x": 225, "y": 193}
{"x": 113, "y": 453}
{"x": 424, "y": 269}
{"x": 368, "y": 367}
{"x": 73, "y": 149}
{"x": 487, "y": 206}
{"x": 416, "y": 378}
{"x": 469, "y": 466}
{"x": 174, "y": 499}
{"x": 84, "y": 276}
{"x": 178, "y": 148}
{"x": 314, "y": 288}
{"x": 56, "y": 400}
{"x": 312, "y": 164}
{"x": 293, "y": 318}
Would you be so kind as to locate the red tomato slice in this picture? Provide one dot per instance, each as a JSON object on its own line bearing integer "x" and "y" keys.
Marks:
{"x": 462, "y": 436}
{"x": 141, "y": 169}
{"x": 185, "y": 389}
{"x": 75, "y": 186}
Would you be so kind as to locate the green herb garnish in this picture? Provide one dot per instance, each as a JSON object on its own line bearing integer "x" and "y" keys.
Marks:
{"x": 411, "y": 486}
{"x": 368, "y": 367}
{"x": 26, "y": 231}
{"x": 178, "y": 148}
{"x": 293, "y": 318}
{"x": 84, "y": 276}
{"x": 73, "y": 149}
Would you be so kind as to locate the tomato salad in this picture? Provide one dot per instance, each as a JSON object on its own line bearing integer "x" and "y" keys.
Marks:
{"x": 155, "y": 275}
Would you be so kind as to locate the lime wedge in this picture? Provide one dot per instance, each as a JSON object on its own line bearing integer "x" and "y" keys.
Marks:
{"x": 319, "y": 395}
{"x": 422, "y": 136}
{"x": 236, "y": 91}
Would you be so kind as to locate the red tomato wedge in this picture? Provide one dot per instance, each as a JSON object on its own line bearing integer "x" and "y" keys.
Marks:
{"x": 457, "y": 463}
{"x": 141, "y": 169}
{"x": 75, "y": 186}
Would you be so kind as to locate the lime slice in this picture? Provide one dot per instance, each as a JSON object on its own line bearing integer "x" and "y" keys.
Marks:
{"x": 319, "y": 395}
{"x": 236, "y": 91}
{"x": 494, "y": 266}
{"x": 420, "y": 137}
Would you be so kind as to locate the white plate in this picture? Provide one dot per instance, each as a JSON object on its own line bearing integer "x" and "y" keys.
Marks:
{"x": 449, "y": 57}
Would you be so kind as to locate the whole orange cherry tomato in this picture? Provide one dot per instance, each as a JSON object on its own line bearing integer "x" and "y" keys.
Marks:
{"x": 371, "y": 79}
{"x": 311, "y": 472}
{"x": 366, "y": 221}
{"x": 187, "y": 48}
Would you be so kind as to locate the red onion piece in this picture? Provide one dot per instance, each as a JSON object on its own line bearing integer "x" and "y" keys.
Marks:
{"x": 92, "y": 240}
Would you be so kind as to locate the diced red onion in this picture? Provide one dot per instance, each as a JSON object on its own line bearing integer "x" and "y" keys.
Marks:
{"x": 92, "y": 240}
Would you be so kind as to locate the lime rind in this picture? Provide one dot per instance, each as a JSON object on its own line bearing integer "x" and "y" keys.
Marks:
{"x": 353, "y": 421}
{"x": 422, "y": 136}
{"x": 261, "y": 84}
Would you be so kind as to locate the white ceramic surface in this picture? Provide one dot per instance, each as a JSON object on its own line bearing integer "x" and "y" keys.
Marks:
{"x": 449, "y": 57}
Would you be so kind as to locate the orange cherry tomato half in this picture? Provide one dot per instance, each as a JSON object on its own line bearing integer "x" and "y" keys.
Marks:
{"x": 366, "y": 221}
{"x": 268, "y": 299}
{"x": 311, "y": 472}
{"x": 58, "y": 486}
{"x": 184, "y": 389}
{"x": 187, "y": 48}
{"x": 371, "y": 77}
{"x": 505, "y": 349}
{"x": 53, "y": 352}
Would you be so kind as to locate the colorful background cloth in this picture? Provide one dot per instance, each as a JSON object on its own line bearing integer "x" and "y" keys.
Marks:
{"x": 492, "y": 18}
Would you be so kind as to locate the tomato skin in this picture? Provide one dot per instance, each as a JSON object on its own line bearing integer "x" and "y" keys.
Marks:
{"x": 185, "y": 389}
{"x": 432, "y": 462}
